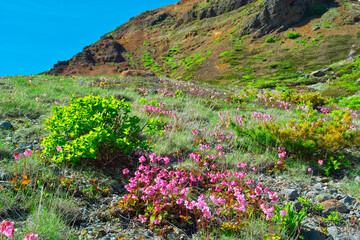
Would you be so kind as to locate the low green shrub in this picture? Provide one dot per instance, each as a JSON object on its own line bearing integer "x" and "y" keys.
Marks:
{"x": 270, "y": 39}
{"x": 293, "y": 35}
{"x": 92, "y": 127}
{"x": 307, "y": 139}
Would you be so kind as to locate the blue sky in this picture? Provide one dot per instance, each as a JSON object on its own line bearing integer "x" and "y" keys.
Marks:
{"x": 35, "y": 34}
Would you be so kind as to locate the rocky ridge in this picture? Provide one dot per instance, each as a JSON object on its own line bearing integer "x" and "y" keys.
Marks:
{"x": 183, "y": 40}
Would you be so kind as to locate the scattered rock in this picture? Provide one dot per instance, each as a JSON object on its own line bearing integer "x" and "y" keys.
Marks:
{"x": 318, "y": 187}
{"x": 151, "y": 91}
{"x": 323, "y": 197}
{"x": 357, "y": 179}
{"x": 6, "y": 125}
{"x": 347, "y": 200}
{"x": 297, "y": 206}
{"x": 328, "y": 69}
{"x": 292, "y": 194}
{"x": 318, "y": 73}
{"x": 332, "y": 231}
{"x": 350, "y": 59}
{"x": 333, "y": 205}
{"x": 316, "y": 28}
{"x": 313, "y": 234}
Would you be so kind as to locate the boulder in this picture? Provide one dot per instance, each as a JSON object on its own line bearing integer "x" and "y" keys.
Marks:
{"x": 317, "y": 74}
{"x": 333, "y": 205}
{"x": 276, "y": 15}
{"x": 6, "y": 126}
{"x": 292, "y": 194}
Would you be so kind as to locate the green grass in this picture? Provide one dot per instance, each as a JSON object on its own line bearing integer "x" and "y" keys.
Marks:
{"x": 44, "y": 208}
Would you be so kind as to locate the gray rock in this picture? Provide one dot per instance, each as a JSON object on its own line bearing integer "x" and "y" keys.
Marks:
{"x": 318, "y": 187}
{"x": 313, "y": 234}
{"x": 332, "y": 231}
{"x": 328, "y": 69}
{"x": 316, "y": 28}
{"x": 311, "y": 194}
{"x": 323, "y": 197}
{"x": 350, "y": 59}
{"x": 333, "y": 190}
{"x": 297, "y": 206}
{"x": 292, "y": 194}
{"x": 6, "y": 125}
{"x": 151, "y": 91}
{"x": 347, "y": 200}
{"x": 317, "y": 74}
{"x": 357, "y": 179}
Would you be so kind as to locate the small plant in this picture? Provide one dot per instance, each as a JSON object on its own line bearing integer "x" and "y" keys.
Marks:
{"x": 95, "y": 190}
{"x": 290, "y": 219}
{"x": 270, "y": 39}
{"x": 146, "y": 43}
{"x": 333, "y": 217}
{"x": 293, "y": 35}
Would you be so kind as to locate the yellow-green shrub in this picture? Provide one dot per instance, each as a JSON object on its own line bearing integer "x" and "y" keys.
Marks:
{"x": 92, "y": 127}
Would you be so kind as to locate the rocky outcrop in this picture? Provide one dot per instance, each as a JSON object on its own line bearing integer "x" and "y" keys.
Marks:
{"x": 276, "y": 15}
{"x": 170, "y": 39}
{"x": 213, "y": 9}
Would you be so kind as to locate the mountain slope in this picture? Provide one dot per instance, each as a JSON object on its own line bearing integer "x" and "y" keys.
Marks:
{"x": 225, "y": 41}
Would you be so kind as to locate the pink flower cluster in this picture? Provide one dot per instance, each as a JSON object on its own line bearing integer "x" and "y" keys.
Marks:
{"x": 7, "y": 229}
{"x": 150, "y": 109}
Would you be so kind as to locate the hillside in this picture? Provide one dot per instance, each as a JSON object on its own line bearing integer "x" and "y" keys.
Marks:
{"x": 227, "y": 41}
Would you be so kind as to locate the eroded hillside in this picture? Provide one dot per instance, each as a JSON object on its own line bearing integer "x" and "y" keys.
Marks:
{"x": 226, "y": 41}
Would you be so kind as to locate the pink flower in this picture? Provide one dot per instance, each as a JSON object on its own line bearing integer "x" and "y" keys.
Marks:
{"x": 27, "y": 152}
{"x": 166, "y": 160}
{"x": 125, "y": 171}
{"x": 31, "y": 236}
{"x": 58, "y": 148}
{"x": 283, "y": 212}
{"x": 157, "y": 221}
{"x": 7, "y": 228}
{"x": 321, "y": 162}
{"x": 282, "y": 155}
{"x": 241, "y": 175}
{"x": 250, "y": 181}
{"x": 56, "y": 103}
{"x": 255, "y": 169}
{"x": 44, "y": 94}
{"x": 143, "y": 218}
{"x": 142, "y": 159}
{"x": 309, "y": 170}
{"x": 17, "y": 155}
{"x": 242, "y": 165}
{"x": 206, "y": 212}
{"x": 37, "y": 99}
